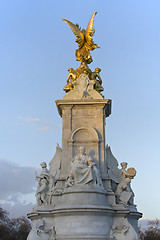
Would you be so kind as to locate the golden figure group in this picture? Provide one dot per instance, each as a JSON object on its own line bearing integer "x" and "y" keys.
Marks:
{"x": 85, "y": 44}
{"x": 74, "y": 74}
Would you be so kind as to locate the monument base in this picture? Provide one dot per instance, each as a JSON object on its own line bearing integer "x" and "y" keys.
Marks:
{"x": 83, "y": 214}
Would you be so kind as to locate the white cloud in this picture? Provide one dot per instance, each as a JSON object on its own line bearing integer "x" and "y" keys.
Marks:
{"x": 17, "y": 188}
{"x": 17, "y": 206}
{"x": 45, "y": 126}
{"x": 15, "y": 178}
{"x": 29, "y": 119}
{"x": 36, "y": 123}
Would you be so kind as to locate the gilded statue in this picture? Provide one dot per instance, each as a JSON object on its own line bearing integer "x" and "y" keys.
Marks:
{"x": 98, "y": 81}
{"x": 72, "y": 76}
{"x": 85, "y": 45}
{"x": 84, "y": 40}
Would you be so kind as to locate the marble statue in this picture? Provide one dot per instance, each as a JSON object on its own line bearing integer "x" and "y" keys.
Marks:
{"x": 40, "y": 230}
{"x": 123, "y": 232}
{"x": 41, "y": 194}
{"x": 130, "y": 173}
{"x": 121, "y": 179}
{"x": 116, "y": 174}
{"x": 46, "y": 183}
{"x": 117, "y": 231}
{"x": 124, "y": 192}
{"x": 83, "y": 170}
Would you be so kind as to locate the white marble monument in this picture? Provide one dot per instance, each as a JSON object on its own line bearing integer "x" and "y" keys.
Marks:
{"x": 84, "y": 194}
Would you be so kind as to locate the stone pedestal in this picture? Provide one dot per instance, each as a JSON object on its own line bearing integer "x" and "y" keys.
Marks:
{"x": 78, "y": 198}
{"x": 83, "y": 124}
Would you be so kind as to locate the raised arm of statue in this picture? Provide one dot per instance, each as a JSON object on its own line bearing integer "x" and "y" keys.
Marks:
{"x": 70, "y": 77}
{"x": 125, "y": 174}
{"x": 129, "y": 173}
{"x": 36, "y": 175}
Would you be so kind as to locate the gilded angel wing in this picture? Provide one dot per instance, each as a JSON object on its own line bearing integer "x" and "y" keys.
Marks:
{"x": 76, "y": 31}
{"x": 112, "y": 164}
{"x": 89, "y": 33}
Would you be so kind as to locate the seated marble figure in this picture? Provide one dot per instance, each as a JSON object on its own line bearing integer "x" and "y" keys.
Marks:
{"x": 83, "y": 170}
{"x": 124, "y": 192}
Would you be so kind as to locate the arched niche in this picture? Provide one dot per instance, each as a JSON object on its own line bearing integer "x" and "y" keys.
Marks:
{"x": 87, "y": 137}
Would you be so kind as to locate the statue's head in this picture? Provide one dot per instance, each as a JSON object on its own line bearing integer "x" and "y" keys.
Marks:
{"x": 44, "y": 181}
{"x": 127, "y": 180}
{"x": 43, "y": 164}
{"x": 70, "y": 70}
{"x": 124, "y": 165}
{"x": 82, "y": 149}
{"x": 97, "y": 70}
{"x": 85, "y": 71}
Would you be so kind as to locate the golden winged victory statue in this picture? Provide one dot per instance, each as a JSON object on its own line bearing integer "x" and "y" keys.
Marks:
{"x": 84, "y": 40}
{"x": 85, "y": 45}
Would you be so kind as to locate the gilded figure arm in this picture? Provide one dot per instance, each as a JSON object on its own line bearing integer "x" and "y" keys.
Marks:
{"x": 100, "y": 79}
{"x": 69, "y": 76}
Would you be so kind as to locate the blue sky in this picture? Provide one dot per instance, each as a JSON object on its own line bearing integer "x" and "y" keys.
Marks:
{"x": 36, "y": 50}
